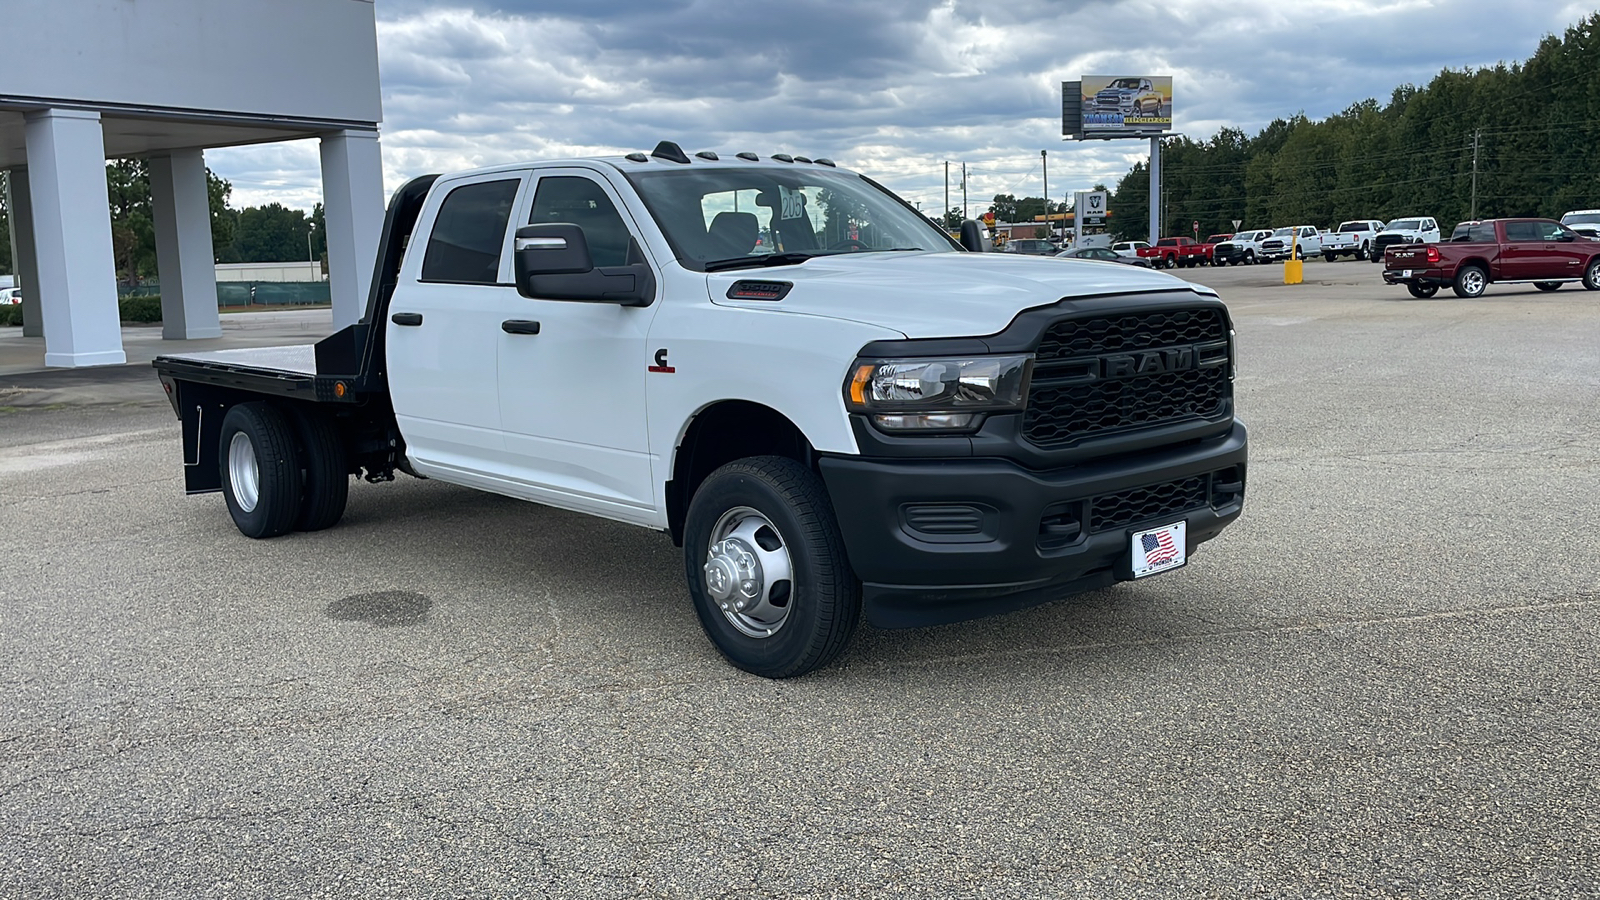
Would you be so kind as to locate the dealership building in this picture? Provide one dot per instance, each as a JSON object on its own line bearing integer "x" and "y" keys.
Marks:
{"x": 85, "y": 81}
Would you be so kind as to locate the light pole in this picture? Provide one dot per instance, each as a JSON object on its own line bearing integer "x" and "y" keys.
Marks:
{"x": 310, "y": 258}
{"x": 1044, "y": 161}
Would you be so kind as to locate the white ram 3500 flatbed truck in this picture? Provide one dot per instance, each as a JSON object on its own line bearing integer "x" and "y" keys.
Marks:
{"x": 827, "y": 402}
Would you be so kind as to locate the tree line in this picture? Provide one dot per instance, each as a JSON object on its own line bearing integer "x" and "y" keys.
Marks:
{"x": 1532, "y": 127}
{"x": 269, "y": 233}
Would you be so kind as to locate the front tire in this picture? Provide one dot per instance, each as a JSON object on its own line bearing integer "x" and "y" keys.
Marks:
{"x": 1471, "y": 281}
{"x": 1591, "y": 275}
{"x": 260, "y": 465}
{"x": 1422, "y": 291}
{"x": 767, "y": 568}
{"x": 1249, "y": 257}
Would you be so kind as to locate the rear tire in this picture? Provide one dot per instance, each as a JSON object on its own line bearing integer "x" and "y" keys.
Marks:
{"x": 1471, "y": 281}
{"x": 1547, "y": 285}
{"x": 260, "y": 469}
{"x": 325, "y": 472}
{"x": 1328, "y": 257}
{"x": 1422, "y": 291}
{"x": 761, "y": 533}
{"x": 1361, "y": 253}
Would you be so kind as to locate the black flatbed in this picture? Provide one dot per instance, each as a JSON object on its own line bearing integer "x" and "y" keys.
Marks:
{"x": 280, "y": 371}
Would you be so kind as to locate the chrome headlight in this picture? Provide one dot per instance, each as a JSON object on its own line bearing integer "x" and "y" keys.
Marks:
{"x": 949, "y": 394}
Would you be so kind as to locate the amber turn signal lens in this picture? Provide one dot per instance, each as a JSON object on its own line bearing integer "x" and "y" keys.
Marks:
{"x": 338, "y": 389}
{"x": 858, "y": 384}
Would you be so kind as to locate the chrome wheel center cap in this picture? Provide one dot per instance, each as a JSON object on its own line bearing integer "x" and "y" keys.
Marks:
{"x": 733, "y": 575}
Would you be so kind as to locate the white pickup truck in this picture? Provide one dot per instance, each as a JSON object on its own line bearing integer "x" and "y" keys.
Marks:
{"x": 1414, "y": 230}
{"x": 826, "y": 401}
{"x": 1352, "y": 238}
{"x": 1300, "y": 240}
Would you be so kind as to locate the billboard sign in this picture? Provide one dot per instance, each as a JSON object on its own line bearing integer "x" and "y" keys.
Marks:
{"x": 1126, "y": 104}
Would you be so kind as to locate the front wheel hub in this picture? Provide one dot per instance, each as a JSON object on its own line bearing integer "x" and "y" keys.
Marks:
{"x": 733, "y": 575}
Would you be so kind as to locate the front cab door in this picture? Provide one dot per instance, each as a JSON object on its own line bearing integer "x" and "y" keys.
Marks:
{"x": 572, "y": 386}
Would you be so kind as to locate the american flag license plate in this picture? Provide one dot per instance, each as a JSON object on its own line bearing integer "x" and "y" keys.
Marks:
{"x": 1160, "y": 549}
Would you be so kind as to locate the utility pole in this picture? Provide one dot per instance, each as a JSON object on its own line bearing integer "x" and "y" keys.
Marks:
{"x": 964, "y": 214}
{"x": 945, "y": 213}
{"x": 1475, "y": 134}
{"x": 1045, "y": 162}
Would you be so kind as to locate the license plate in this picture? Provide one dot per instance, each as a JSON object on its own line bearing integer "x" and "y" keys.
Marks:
{"x": 1405, "y": 273}
{"x": 1159, "y": 549}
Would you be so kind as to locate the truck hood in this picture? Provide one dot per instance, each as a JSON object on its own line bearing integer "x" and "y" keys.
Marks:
{"x": 934, "y": 295}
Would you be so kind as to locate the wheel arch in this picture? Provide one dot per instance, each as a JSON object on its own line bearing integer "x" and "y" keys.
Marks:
{"x": 720, "y": 433}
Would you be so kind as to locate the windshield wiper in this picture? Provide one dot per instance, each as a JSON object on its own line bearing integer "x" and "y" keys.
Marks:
{"x": 756, "y": 262}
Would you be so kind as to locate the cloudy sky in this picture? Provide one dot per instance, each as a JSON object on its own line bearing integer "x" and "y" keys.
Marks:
{"x": 892, "y": 88}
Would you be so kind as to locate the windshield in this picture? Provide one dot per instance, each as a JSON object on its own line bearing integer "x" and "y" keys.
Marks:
{"x": 742, "y": 215}
{"x": 1591, "y": 218}
{"x": 1282, "y": 232}
{"x": 1404, "y": 225}
{"x": 1131, "y": 84}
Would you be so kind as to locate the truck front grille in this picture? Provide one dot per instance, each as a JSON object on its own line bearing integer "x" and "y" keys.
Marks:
{"x": 1098, "y": 375}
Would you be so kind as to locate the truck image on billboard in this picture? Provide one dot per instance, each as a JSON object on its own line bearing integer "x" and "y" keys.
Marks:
{"x": 1127, "y": 104}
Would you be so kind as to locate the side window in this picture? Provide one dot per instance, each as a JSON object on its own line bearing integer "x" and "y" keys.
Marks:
{"x": 581, "y": 202}
{"x": 469, "y": 233}
{"x": 1550, "y": 231}
{"x": 1523, "y": 231}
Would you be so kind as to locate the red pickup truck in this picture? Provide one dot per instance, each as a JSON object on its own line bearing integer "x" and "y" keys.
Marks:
{"x": 1177, "y": 251}
{"x": 1541, "y": 251}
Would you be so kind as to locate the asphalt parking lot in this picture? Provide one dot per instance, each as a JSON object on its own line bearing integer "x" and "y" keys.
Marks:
{"x": 1380, "y": 682}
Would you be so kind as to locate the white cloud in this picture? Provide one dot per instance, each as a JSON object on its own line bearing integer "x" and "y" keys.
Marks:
{"x": 893, "y": 88}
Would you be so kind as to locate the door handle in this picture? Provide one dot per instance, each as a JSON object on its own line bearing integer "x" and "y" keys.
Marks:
{"x": 406, "y": 318}
{"x": 519, "y": 326}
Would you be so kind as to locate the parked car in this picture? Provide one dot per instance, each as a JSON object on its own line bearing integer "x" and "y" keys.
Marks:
{"x": 10, "y": 296}
{"x": 1031, "y": 246}
{"x": 1414, "y": 230}
{"x": 1301, "y": 240}
{"x": 1353, "y": 238}
{"x": 1584, "y": 221}
{"x": 1129, "y": 248}
{"x": 1170, "y": 252}
{"x": 1244, "y": 248}
{"x": 1104, "y": 255}
{"x": 1542, "y": 252}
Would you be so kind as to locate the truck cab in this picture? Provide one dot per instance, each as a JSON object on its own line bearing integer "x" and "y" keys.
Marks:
{"x": 831, "y": 406}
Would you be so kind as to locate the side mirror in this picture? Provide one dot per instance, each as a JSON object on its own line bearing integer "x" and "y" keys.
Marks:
{"x": 972, "y": 236}
{"x": 552, "y": 262}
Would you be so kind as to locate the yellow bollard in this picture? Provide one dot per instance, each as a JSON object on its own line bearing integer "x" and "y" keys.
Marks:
{"x": 1294, "y": 266}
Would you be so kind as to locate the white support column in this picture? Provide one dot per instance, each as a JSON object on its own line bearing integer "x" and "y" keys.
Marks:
{"x": 352, "y": 202}
{"x": 182, "y": 214}
{"x": 24, "y": 254}
{"x": 77, "y": 282}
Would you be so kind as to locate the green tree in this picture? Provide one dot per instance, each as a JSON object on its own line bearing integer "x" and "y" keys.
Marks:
{"x": 271, "y": 233}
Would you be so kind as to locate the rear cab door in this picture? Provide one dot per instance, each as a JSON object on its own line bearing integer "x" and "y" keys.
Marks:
{"x": 1522, "y": 251}
{"x": 443, "y": 332}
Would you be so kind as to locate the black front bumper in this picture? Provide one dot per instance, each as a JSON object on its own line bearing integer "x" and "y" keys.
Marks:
{"x": 941, "y": 540}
